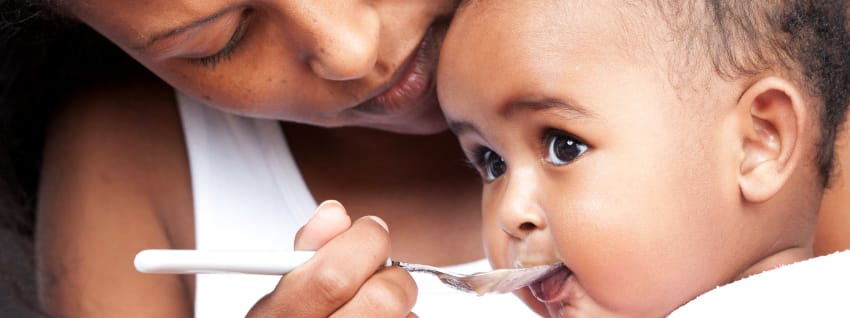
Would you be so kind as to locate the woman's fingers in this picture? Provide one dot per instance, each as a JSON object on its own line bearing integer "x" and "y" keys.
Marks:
{"x": 389, "y": 293}
{"x": 346, "y": 276}
{"x": 333, "y": 276}
{"x": 329, "y": 220}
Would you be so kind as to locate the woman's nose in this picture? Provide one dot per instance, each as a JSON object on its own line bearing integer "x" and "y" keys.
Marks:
{"x": 341, "y": 37}
{"x": 520, "y": 210}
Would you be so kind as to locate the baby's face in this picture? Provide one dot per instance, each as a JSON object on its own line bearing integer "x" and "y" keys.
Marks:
{"x": 590, "y": 158}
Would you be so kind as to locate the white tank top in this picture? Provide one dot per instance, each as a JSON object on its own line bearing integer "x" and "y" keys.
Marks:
{"x": 249, "y": 195}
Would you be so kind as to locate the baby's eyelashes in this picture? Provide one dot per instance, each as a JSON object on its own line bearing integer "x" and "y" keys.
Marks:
{"x": 562, "y": 148}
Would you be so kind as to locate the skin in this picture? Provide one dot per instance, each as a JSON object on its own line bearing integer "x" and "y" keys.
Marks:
{"x": 834, "y": 218}
{"x": 316, "y": 63}
{"x": 319, "y": 63}
{"x": 644, "y": 191}
{"x": 116, "y": 176}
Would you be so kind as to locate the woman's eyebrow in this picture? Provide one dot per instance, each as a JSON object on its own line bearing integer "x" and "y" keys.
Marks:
{"x": 158, "y": 36}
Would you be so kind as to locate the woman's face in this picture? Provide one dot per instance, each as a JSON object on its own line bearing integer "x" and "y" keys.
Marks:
{"x": 328, "y": 63}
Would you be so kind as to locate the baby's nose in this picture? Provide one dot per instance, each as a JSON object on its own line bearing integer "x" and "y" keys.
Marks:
{"x": 520, "y": 211}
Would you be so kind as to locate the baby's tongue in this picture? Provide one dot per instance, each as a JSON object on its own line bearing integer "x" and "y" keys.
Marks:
{"x": 549, "y": 288}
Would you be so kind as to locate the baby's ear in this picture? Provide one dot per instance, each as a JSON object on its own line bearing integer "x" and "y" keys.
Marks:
{"x": 772, "y": 117}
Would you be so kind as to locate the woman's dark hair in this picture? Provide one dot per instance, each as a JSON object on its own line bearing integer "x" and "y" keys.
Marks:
{"x": 44, "y": 56}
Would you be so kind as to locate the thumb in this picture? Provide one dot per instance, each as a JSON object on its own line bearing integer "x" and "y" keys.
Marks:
{"x": 329, "y": 221}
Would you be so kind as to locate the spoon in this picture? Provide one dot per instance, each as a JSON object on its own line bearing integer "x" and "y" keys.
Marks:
{"x": 279, "y": 263}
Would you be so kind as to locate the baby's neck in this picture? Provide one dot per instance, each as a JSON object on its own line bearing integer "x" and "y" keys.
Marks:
{"x": 776, "y": 260}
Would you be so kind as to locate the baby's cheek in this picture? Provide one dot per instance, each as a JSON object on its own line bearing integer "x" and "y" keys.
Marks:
{"x": 496, "y": 247}
{"x": 495, "y": 240}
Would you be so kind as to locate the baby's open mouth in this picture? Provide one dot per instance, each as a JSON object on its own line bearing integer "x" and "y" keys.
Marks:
{"x": 548, "y": 288}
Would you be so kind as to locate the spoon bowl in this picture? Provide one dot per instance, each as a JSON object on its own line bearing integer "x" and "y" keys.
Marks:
{"x": 495, "y": 281}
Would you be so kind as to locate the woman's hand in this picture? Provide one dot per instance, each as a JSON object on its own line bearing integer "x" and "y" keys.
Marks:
{"x": 346, "y": 277}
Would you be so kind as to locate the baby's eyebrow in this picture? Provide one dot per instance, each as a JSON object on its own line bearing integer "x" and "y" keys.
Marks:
{"x": 572, "y": 109}
{"x": 569, "y": 109}
{"x": 459, "y": 127}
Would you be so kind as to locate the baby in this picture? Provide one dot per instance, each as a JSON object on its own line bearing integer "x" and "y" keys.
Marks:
{"x": 657, "y": 149}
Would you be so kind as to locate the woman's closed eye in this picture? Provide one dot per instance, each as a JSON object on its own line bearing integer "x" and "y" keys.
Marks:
{"x": 229, "y": 47}
{"x": 562, "y": 148}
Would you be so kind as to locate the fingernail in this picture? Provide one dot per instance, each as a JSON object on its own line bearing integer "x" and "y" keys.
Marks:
{"x": 380, "y": 222}
{"x": 329, "y": 203}
{"x": 328, "y": 208}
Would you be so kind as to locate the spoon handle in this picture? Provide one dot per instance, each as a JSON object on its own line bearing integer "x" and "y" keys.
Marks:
{"x": 173, "y": 261}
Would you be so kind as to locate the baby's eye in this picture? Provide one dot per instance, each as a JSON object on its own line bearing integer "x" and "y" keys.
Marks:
{"x": 493, "y": 165}
{"x": 563, "y": 148}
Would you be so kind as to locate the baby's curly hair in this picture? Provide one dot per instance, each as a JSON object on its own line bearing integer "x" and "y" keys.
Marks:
{"x": 807, "y": 39}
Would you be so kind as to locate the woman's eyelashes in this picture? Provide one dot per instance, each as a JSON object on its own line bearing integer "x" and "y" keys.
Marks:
{"x": 562, "y": 148}
{"x": 229, "y": 47}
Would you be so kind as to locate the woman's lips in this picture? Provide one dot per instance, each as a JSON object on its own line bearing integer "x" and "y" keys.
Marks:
{"x": 549, "y": 289}
{"x": 412, "y": 85}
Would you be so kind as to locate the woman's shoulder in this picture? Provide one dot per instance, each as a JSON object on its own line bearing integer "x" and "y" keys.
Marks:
{"x": 142, "y": 101}
{"x": 114, "y": 181}
{"x": 833, "y": 228}
{"x": 123, "y": 128}
{"x": 122, "y": 142}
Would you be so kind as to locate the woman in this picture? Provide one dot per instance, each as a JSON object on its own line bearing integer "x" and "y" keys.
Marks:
{"x": 833, "y": 226}
{"x": 117, "y": 177}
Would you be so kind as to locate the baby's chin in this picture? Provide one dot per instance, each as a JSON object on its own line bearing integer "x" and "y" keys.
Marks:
{"x": 562, "y": 295}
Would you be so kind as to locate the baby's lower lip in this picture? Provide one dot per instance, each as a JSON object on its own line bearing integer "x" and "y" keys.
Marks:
{"x": 549, "y": 289}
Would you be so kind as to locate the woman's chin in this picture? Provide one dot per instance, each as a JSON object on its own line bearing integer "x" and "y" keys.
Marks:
{"x": 427, "y": 122}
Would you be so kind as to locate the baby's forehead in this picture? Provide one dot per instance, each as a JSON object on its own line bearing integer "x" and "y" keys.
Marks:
{"x": 497, "y": 50}
{"x": 557, "y": 31}
{"x": 645, "y": 33}
{"x": 557, "y": 27}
